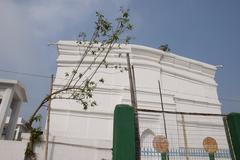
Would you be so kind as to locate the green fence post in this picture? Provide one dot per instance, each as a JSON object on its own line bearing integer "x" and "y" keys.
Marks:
{"x": 165, "y": 156}
{"x": 211, "y": 156}
{"x": 124, "y": 147}
{"x": 232, "y": 125}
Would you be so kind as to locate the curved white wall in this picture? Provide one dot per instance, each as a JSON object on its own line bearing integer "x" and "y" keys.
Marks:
{"x": 187, "y": 86}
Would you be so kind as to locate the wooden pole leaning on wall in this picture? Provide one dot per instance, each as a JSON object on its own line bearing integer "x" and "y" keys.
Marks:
{"x": 164, "y": 155}
{"x": 138, "y": 143}
{"x": 48, "y": 119}
{"x": 164, "y": 119}
{"x": 132, "y": 82}
{"x": 185, "y": 137}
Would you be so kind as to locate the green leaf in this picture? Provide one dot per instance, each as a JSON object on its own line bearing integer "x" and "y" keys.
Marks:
{"x": 74, "y": 71}
{"x": 80, "y": 75}
{"x": 101, "y": 80}
{"x": 66, "y": 74}
{"x": 93, "y": 103}
{"x": 93, "y": 52}
{"x": 37, "y": 118}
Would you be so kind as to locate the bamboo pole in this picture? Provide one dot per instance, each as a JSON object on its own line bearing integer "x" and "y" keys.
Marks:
{"x": 185, "y": 138}
{"x": 134, "y": 87}
{"x": 164, "y": 120}
{"x": 132, "y": 82}
{"x": 48, "y": 119}
{"x": 130, "y": 76}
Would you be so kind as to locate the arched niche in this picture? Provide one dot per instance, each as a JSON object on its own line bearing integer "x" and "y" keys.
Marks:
{"x": 146, "y": 138}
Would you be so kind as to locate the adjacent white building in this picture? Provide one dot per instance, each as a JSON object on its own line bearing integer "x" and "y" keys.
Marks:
{"x": 187, "y": 86}
{"x": 20, "y": 128}
{"x": 12, "y": 94}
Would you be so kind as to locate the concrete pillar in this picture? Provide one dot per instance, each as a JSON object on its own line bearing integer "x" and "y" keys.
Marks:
{"x": 13, "y": 120}
{"x": 5, "y": 106}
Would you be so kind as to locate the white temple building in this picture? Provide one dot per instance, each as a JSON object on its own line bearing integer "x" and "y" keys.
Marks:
{"x": 187, "y": 86}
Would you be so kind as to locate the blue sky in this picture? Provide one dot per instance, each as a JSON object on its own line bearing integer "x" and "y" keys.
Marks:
{"x": 204, "y": 30}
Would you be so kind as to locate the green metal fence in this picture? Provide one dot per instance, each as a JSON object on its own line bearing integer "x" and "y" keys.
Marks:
{"x": 185, "y": 135}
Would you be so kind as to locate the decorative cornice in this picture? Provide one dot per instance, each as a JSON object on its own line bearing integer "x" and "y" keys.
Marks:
{"x": 142, "y": 56}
